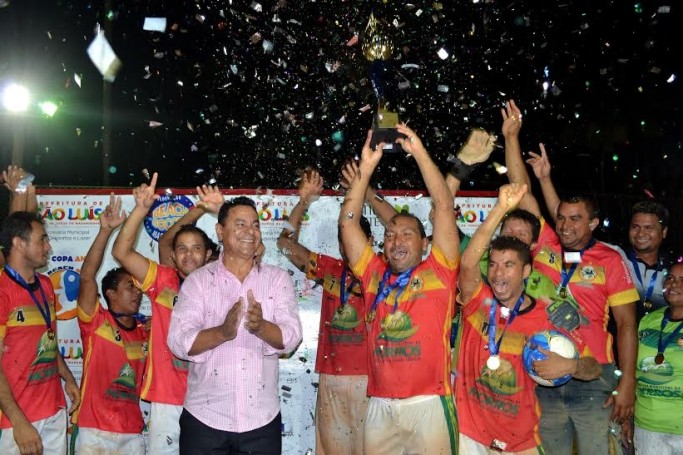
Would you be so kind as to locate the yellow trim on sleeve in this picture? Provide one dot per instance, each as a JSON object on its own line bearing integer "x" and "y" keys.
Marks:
{"x": 359, "y": 268}
{"x": 85, "y": 317}
{"x": 450, "y": 264}
{"x": 149, "y": 279}
{"x": 474, "y": 294}
{"x": 623, "y": 297}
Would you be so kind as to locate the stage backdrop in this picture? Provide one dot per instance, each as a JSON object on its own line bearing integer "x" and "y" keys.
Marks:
{"x": 71, "y": 219}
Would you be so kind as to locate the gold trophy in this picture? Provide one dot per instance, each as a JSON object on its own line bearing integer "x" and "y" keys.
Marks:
{"x": 378, "y": 48}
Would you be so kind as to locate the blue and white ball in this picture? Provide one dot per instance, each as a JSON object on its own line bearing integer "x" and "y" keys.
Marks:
{"x": 550, "y": 340}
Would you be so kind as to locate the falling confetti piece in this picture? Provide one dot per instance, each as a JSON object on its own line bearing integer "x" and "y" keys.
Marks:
{"x": 104, "y": 58}
{"x": 500, "y": 169}
{"x": 154, "y": 24}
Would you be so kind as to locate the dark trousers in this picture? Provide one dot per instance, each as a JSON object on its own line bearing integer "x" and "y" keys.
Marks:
{"x": 199, "y": 439}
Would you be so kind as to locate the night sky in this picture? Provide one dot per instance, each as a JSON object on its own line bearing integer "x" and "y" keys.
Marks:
{"x": 248, "y": 93}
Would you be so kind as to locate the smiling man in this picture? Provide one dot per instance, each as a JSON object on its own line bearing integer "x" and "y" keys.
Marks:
{"x": 648, "y": 266}
{"x": 409, "y": 305}
{"x": 232, "y": 321}
{"x": 166, "y": 375}
{"x": 590, "y": 279}
{"x": 30, "y": 363}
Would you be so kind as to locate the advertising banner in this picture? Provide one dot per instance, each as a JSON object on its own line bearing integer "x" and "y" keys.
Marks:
{"x": 72, "y": 221}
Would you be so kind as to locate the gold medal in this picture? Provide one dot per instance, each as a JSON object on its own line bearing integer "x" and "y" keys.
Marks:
{"x": 647, "y": 305}
{"x": 370, "y": 317}
{"x": 659, "y": 358}
{"x": 51, "y": 334}
{"x": 563, "y": 293}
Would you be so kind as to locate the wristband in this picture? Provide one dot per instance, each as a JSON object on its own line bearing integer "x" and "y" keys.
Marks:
{"x": 461, "y": 170}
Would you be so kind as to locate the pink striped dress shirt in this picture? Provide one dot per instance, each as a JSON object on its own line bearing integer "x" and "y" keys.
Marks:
{"x": 233, "y": 387}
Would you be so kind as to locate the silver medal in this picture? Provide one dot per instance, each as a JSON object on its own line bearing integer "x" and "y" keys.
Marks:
{"x": 493, "y": 362}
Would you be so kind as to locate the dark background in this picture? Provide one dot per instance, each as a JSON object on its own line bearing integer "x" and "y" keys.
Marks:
{"x": 247, "y": 118}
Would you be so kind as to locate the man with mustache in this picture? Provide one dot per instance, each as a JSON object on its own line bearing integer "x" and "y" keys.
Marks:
{"x": 233, "y": 320}
{"x": 409, "y": 305}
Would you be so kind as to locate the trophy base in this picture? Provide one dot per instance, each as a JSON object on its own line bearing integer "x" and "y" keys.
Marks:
{"x": 384, "y": 130}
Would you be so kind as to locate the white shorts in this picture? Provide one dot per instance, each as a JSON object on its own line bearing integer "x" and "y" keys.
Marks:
{"x": 164, "y": 429}
{"x": 88, "y": 441}
{"x": 468, "y": 446}
{"x": 424, "y": 424}
{"x": 648, "y": 442}
{"x": 340, "y": 414}
{"x": 52, "y": 431}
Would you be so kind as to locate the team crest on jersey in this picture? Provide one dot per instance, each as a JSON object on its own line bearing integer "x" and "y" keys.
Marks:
{"x": 552, "y": 258}
{"x": 416, "y": 284}
{"x": 397, "y": 327}
{"x": 47, "y": 350}
{"x": 502, "y": 381}
{"x": 587, "y": 273}
{"x": 345, "y": 318}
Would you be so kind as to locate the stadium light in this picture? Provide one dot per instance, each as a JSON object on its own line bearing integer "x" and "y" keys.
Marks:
{"x": 16, "y": 98}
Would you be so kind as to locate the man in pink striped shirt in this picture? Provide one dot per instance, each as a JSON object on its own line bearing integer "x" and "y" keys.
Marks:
{"x": 232, "y": 320}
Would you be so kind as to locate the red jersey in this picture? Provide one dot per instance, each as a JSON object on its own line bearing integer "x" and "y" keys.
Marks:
{"x": 409, "y": 349}
{"x": 113, "y": 365}
{"x": 342, "y": 338}
{"x": 601, "y": 280}
{"x": 29, "y": 359}
{"x": 166, "y": 375}
{"x": 497, "y": 404}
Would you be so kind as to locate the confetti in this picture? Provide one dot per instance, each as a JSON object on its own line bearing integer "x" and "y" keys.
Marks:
{"x": 104, "y": 58}
{"x": 154, "y": 24}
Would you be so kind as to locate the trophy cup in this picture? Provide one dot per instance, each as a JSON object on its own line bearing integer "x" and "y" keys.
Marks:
{"x": 377, "y": 48}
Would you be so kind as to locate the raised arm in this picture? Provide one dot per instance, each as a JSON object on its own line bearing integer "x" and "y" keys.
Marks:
{"x": 123, "y": 250}
{"x": 476, "y": 150}
{"x": 310, "y": 188}
{"x": 516, "y": 170}
{"x": 384, "y": 211}
{"x": 541, "y": 167}
{"x": 445, "y": 232}
{"x": 470, "y": 275}
{"x": 11, "y": 178}
{"x": 111, "y": 218}
{"x": 210, "y": 201}
{"x": 352, "y": 235}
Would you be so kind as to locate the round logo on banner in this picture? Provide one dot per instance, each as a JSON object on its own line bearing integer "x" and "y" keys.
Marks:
{"x": 164, "y": 213}
{"x": 66, "y": 282}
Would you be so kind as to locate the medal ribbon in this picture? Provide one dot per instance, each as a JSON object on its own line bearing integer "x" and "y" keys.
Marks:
{"x": 567, "y": 274}
{"x": 494, "y": 346}
{"x": 141, "y": 318}
{"x": 343, "y": 296}
{"x": 653, "y": 278}
{"x": 664, "y": 343}
{"x": 44, "y": 307}
{"x": 383, "y": 290}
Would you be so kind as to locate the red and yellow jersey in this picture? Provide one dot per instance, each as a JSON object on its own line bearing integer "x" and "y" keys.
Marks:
{"x": 342, "y": 338}
{"x": 113, "y": 365}
{"x": 600, "y": 281}
{"x": 166, "y": 375}
{"x": 409, "y": 349}
{"x": 497, "y": 404}
{"x": 29, "y": 357}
